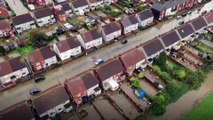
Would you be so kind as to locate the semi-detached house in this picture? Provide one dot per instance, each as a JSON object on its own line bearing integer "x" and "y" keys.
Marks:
{"x": 145, "y": 18}
{"x": 44, "y": 17}
{"x": 67, "y": 48}
{"x": 129, "y": 24}
{"x": 42, "y": 58}
{"x": 91, "y": 39}
{"x": 111, "y": 31}
{"x": 59, "y": 13}
{"x": 23, "y": 22}
{"x": 82, "y": 86}
{"x": 80, "y": 7}
{"x": 19, "y": 111}
{"x": 51, "y": 102}
{"x": 12, "y": 70}
{"x": 133, "y": 60}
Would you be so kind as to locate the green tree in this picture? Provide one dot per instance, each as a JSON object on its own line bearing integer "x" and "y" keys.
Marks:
{"x": 136, "y": 84}
{"x": 2, "y": 50}
{"x": 172, "y": 87}
{"x": 161, "y": 60}
{"x": 158, "y": 107}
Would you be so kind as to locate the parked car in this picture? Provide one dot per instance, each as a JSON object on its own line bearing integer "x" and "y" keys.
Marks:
{"x": 68, "y": 26}
{"x": 184, "y": 15}
{"x": 99, "y": 61}
{"x": 178, "y": 17}
{"x": 181, "y": 22}
{"x": 204, "y": 12}
{"x": 34, "y": 91}
{"x": 39, "y": 78}
{"x": 124, "y": 41}
{"x": 189, "y": 12}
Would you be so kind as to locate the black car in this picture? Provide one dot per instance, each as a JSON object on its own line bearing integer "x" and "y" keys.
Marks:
{"x": 124, "y": 41}
{"x": 34, "y": 91}
{"x": 184, "y": 15}
{"x": 39, "y": 78}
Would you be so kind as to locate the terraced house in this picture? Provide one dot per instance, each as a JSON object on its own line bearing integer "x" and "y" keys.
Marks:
{"x": 110, "y": 73}
{"x": 132, "y": 60}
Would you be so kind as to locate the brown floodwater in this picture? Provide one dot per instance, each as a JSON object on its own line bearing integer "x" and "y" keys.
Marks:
{"x": 177, "y": 110}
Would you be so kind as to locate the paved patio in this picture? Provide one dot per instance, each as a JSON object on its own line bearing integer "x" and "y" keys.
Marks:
{"x": 148, "y": 87}
{"x": 92, "y": 113}
{"x": 125, "y": 105}
{"x": 106, "y": 109}
{"x": 143, "y": 105}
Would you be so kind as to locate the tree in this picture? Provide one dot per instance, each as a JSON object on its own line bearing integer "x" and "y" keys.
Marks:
{"x": 158, "y": 107}
{"x": 136, "y": 84}
{"x": 2, "y": 50}
{"x": 172, "y": 87}
{"x": 161, "y": 60}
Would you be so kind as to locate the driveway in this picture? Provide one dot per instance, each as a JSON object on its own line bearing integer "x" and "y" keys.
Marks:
{"x": 59, "y": 75}
{"x": 17, "y": 7}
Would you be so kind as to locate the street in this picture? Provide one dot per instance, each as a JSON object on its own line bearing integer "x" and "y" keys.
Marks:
{"x": 59, "y": 75}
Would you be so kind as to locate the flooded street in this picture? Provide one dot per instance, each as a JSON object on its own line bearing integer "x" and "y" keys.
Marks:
{"x": 177, "y": 110}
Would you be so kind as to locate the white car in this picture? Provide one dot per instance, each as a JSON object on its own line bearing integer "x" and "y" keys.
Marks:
{"x": 178, "y": 17}
{"x": 68, "y": 26}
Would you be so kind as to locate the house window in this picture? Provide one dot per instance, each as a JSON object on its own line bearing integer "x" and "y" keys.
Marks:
{"x": 46, "y": 64}
{"x": 59, "y": 109}
{"x": 23, "y": 73}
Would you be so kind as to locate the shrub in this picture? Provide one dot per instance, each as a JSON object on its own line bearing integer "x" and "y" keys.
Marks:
{"x": 136, "y": 84}
{"x": 132, "y": 79}
{"x": 140, "y": 75}
{"x": 172, "y": 87}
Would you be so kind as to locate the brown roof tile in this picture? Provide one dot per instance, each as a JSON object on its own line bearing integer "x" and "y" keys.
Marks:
{"x": 19, "y": 111}
{"x": 22, "y": 19}
{"x": 209, "y": 17}
{"x": 91, "y": 35}
{"x": 4, "y": 25}
{"x": 111, "y": 27}
{"x": 109, "y": 69}
{"x": 50, "y": 98}
{"x": 43, "y": 13}
{"x": 132, "y": 57}
{"x": 152, "y": 47}
{"x": 199, "y": 23}
{"x": 170, "y": 38}
{"x": 185, "y": 30}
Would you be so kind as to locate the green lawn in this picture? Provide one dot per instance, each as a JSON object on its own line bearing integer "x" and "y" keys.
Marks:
{"x": 203, "y": 111}
{"x": 204, "y": 48}
{"x": 23, "y": 51}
